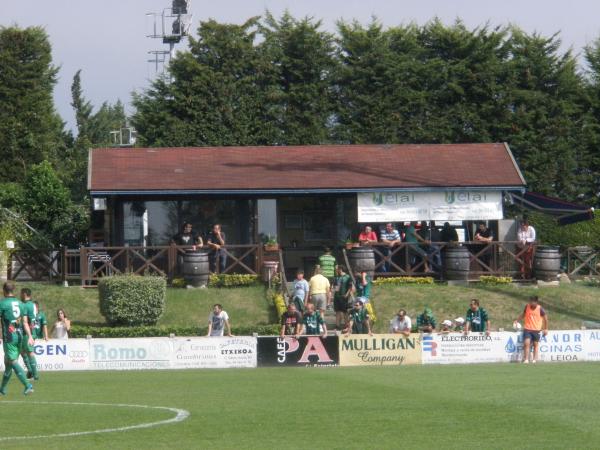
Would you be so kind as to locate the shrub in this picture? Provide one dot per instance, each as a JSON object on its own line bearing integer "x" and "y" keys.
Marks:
{"x": 178, "y": 283}
{"x": 403, "y": 280}
{"x": 490, "y": 279}
{"x": 79, "y": 331}
{"x": 233, "y": 280}
{"x": 278, "y": 302}
{"x": 132, "y": 299}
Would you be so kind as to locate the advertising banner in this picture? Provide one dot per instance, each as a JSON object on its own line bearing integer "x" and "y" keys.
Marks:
{"x": 304, "y": 351}
{"x": 456, "y": 348}
{"x": 558, "y": 346}
{"x": 379, "y": 350}
{"x": 592, "y": 348}
{"x": 214, "y": 352}
{"x": 440, "y": 205}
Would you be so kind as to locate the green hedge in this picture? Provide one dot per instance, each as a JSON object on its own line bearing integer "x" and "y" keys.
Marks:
{"x": 233, "y": 280}
{"x": 79, "y": 331}
{"x": 403, "y": 280}
{"x": 277, "y": 300}
{"x": 491, "y": 279}
{"x": 132, "y": 299}
{"x": 582, "y": 233}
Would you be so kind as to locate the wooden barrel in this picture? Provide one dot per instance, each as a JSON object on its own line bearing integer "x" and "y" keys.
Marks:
{"x": 456, "y": 263}
{"x": 362, "y": 259}
{"x": 195, "y": 268}
{"x": 546, "y": 263}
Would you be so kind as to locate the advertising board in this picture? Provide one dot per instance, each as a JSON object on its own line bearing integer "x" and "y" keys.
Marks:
{"x": 456, "y": 348}
{"x": 379, "y": 350}
{"x": 304, "y": 351}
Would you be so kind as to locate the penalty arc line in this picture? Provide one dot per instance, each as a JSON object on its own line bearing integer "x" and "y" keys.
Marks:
{"x": 180, "y": 416}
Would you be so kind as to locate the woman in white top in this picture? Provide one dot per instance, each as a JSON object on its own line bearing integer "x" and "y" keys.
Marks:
{"x": 60, "y": 329}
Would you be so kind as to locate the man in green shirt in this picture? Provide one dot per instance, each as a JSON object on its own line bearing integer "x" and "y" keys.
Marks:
{"x": 342, "y": 290}
{"x": 327, "y": 264}
{"x": 359, "y": 321}
{"x": 313, "y": 322}
{"x": 40, "y": 326}
{"x": 426, "y": 321}
{"x": 29, "y": 313}
{"x": 12, "y": 334}
{"x": 363, "y": 286}
{"x": 477, "y": 319}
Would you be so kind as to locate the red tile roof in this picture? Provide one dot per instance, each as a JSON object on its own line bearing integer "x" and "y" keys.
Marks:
{"x": 316, "y": 168}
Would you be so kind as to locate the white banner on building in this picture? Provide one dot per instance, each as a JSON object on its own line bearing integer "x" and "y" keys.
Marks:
{"x": 439, "y": 205}
{"x": 144, "y": 353}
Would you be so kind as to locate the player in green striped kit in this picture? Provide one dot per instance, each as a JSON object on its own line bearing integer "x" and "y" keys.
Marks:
{"x": 12, "y": 334}
{"x": 29, "y": 315}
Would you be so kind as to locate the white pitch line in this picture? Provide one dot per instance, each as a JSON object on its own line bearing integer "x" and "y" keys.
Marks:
{"x": 181, "y": 415}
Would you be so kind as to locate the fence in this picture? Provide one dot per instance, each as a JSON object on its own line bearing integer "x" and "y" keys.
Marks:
{"x": 89, "y": 264}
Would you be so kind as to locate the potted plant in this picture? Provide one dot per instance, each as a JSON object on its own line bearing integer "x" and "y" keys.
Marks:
{"x": 271, "y": 244}
{"x": 350, "y": 244}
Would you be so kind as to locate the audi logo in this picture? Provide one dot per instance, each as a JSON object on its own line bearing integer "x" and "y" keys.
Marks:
{"x": 78, "y": 354}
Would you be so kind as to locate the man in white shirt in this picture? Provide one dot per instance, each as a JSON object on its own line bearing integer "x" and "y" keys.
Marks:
{"x": 526, "y": 238}
{"x": 401, "y": 324}
{"x": 217, "y": 321}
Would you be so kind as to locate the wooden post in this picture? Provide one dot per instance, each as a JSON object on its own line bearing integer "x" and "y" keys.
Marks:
{"x": 63, "y": 264}
{"x": 83, "y": 264}
{"x": 171, "y": 261}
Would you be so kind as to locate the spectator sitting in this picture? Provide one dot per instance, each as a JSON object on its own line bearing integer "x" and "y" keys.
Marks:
{"x": 459, "y": 324}
{"x": 426, "y": 321}
{"x": 446, "y": 326}
{"x": 401, "y": 324}
{"x": 291, "y": 321}
{"x": 312, "y": 322}
{"x": 327, "y": 264}
{"x": 367, "y": 236}
{"x": 301, "y": 289}
{"x": 319, "y": 291}
{"x": 359, "y": 321}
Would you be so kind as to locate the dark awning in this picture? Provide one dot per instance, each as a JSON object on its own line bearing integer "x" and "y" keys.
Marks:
{"x": 565, "y": 212}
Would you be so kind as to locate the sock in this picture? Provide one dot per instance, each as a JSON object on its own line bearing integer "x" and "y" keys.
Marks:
{"x": 20, "y": 373}
{"x": 33, "y": 368}
{"x": 5, "y": 378}
{"x": 27, "y": 362}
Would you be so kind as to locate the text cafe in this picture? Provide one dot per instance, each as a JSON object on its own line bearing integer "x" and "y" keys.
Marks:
{"x": 305, "y": 197}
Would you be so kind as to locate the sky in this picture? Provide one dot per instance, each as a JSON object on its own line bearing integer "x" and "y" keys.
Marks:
{"x": 107, "y": 39}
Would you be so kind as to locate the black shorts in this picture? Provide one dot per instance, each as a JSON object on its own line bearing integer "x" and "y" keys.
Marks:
{"x": 340, "y": 304}
{"x": 534, "y": 336}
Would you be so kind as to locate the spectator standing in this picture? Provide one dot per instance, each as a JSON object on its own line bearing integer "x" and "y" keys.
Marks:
{"x": 358, "y": 321}
{"x": 291, "y": 321}
{"x": 367, "y": 236}
{"x": 390, "y": 238}
{"x": 434, "y": 252}
{"x": 484, "y": 236}
{"x": 446, "y": 326}
{"x": 448, "y": 233}
{"x": 426, "y": 321}
{"x": 187, "y": 237}
{"x": 413, "y": 238}
{"x": 526, "y": 237}
{"x": 327, "y": 264}
{"x": 342, "y": 290}
{"x": 477, "y": 319}
{"x": 535, "y": 323}
{"x": 363, "y": 286}
{"x": 319, "y": 291}
{"x": 216, "y": 241}
{"x": 401, "y": 324}
{"x": 62, "y": 326}
{"x": 313, "y": 323}
{"x": 301, "y": 289}
{"x": 217, "y": 321}
{"x": 459, "y": 324}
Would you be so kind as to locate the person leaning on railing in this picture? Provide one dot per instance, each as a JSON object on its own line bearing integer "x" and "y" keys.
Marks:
{"x": 367, "y": 236}
{"x": 526, "y": 237}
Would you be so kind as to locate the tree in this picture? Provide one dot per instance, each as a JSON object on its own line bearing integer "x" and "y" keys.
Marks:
{"x": 30, "y": 129}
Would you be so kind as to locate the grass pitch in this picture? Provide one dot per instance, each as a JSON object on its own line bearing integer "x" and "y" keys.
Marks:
{"x": 479, "y": 406}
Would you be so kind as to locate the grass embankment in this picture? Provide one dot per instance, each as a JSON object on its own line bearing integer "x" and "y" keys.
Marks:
{"x": 246, "y": 306}
{"x": 567, "y": 306}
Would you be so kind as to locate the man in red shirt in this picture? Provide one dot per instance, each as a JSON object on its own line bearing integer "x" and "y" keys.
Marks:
{"x": 367, "y": 237}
